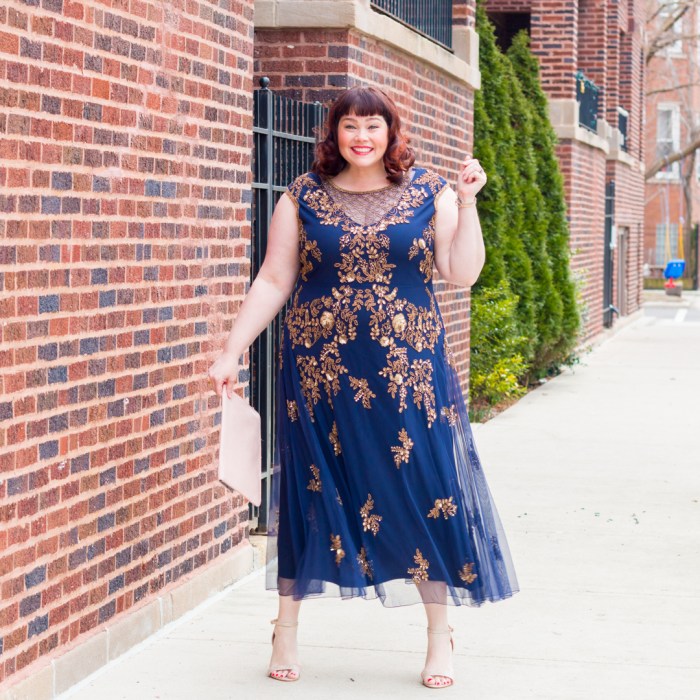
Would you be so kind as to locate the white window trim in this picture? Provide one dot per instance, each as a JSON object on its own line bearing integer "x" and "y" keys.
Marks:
{"x": 676, "y": 48}
{"x": 674, "y": 108}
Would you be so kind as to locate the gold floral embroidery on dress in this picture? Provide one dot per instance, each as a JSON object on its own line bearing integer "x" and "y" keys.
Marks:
{"x": 292, "y": 411}
{"x": 444, "y": 506}
{"x": 449, "y": 354}
{"x": 296, "y": 188}
{"x": 327, "y": 212}
{"x": 309, "y": 321}
{"x": 364, "y": 393}
{"x": 420, "y": 572}
{"x": 418, "y": 377}
{"x": 424, "y": 245}
{"x": 315, "y": 482}
{"x": 324, "y": 372}
{"x": 333, "y": 437}
{"x": 393, "y": 317}
{"x": 310, "y": 380}
{"x": 370, "y": 522}
{"x": 467, "y": 575}
{"x": 307, "y": 248}
{"x": 363, "y": 257}
{"x": 395, "y": 371}
{"x": 432, "y": 180}
{"x": 365, "y": 564}
{"x": 450, "y": 413}
{"x": 331, "y": 368}
{"x": 337, "y": 547}
{"x": 402, "y": 452}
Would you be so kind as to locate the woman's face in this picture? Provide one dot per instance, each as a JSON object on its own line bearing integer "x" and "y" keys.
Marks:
{"x": 362, "y": 141}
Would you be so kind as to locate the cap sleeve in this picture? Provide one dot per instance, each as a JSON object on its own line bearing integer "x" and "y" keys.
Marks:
{"x": 296, "y": 188}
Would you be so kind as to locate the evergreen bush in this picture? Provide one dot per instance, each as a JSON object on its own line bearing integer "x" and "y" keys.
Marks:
{"x": 524, "y": 311}
{"x": 560, "y": 334}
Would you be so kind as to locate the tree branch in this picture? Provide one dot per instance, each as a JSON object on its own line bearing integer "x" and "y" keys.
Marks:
{"x": 672, "y": 88}
{"x": 673, "y": 157}
{"x": 665, "y": 35}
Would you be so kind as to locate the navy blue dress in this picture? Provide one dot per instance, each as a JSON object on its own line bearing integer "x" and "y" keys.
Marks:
{"x": 377, "y": 484}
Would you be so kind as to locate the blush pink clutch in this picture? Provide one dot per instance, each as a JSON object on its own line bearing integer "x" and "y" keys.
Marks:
{"x": 240, "y": 447}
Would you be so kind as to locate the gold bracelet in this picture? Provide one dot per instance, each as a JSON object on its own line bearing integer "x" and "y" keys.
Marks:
{"x": 461, "y": 204}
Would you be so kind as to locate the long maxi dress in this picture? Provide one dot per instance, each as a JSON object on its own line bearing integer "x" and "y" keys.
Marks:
{"x": 377, "y": 484}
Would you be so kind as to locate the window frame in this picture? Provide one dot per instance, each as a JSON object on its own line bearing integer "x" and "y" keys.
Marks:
{"x": 673, "y": 173}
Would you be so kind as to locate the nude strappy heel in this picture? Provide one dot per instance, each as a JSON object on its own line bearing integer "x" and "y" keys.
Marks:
{"x": 428, "y": 678}
{"x": 289, "y": 668}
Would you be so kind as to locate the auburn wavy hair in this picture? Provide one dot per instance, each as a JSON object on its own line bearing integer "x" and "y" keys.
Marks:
{"x": 364, "y": 102}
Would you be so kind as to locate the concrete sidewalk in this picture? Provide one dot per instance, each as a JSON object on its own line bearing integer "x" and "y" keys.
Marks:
{"x": 597, "y": 478}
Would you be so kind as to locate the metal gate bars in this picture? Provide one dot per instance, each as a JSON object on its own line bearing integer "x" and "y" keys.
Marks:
{"x": 284, "y": 132}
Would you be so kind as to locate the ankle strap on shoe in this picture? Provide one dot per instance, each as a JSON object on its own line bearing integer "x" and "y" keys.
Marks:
{"x": 449, "y": 630}
{"x": 284, "y": 624}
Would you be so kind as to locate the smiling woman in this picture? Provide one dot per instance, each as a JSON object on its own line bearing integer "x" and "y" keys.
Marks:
{"x": 378, "y": 491}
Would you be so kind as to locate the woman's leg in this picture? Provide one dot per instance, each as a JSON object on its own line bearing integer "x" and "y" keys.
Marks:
{"x": 284, "y": 646}
{"x": 439, "y": 655}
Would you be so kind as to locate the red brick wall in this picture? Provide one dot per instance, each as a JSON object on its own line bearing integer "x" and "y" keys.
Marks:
{"x": 629, "y": 214}
{"x": 629, "y": 181}
{"x": 437, "y": 110}
{"x": 593, "y": 46}
{"x": 554, "y": 30}
{"x": 611, "y": 84}
{"x": 125, "y": 142}
{"x": 584, "y": 172}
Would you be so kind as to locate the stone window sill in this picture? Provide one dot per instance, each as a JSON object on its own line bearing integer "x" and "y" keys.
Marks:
{"x": 563, "y": 114}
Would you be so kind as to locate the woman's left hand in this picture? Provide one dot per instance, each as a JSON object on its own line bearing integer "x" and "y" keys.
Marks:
{"x": 471, "y": 178}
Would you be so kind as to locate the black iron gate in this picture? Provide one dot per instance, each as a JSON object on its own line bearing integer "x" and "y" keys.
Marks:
{"x": 284, "y": 138}
{"x": 608, "y": 307}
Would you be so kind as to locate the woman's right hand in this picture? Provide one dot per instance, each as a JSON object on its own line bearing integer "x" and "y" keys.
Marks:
{"x": 224, "y": 372}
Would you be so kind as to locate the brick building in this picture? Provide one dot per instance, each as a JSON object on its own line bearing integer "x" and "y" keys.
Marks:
{"x": 601, "y": 145}
{"x": 673, "y": 116}
{"x": 126, "y": 137}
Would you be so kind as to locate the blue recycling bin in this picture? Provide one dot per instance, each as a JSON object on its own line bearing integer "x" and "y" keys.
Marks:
{"x": 674, "y": 269}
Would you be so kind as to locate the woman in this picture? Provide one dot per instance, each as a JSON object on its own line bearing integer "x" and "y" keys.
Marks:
{"x": 378, "y": 489}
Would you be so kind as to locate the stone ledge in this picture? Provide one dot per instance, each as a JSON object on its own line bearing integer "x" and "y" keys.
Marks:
{"x": 462, "y": 65}
{"x": 618, "y": 154}
{"x": 563, "y": 114}
{"x": 110, "y": 642}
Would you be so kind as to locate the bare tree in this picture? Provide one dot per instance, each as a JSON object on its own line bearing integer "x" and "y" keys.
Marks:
{"x": 661, "y": 19}
{"x": 661, "y": 34}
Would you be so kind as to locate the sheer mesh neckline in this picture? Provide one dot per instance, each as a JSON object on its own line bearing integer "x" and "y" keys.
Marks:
{"x": 369, "y": 207}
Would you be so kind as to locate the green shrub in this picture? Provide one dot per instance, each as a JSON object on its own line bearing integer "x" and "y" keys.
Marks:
{"x": 525, "y": 315}
{"x": 559, "y": 321}
{"x": 497, "y": 348}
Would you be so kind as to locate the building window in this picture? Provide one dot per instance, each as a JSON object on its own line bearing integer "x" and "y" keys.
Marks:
{"x": 623, "y": 117}
{"x": 662, "y": 253}
{"x": 675, "y": 48}
{"x": 667, "y": 138}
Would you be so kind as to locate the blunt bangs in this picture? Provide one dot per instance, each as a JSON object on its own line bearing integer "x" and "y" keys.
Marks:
{"x": 363, "y": 102}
